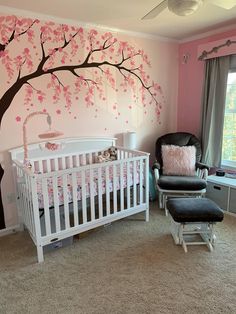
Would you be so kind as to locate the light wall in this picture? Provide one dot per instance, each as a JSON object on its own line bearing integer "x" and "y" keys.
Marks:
{"x": 190, "y": 80}
{"x": 110, "y": 117}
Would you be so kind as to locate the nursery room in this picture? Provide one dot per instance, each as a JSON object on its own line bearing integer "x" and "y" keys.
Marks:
{"x": 118, "y": 156}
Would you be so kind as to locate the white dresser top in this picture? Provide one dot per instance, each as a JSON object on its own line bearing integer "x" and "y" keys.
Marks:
{"x": 222, "y": 181}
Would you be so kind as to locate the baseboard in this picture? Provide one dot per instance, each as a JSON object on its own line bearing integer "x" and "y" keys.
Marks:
{"x": 9, "y": 230}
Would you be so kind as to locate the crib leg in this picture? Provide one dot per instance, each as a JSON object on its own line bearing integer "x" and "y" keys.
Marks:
{"x": 40, "y": 254}
{"x": 147, "y": 215}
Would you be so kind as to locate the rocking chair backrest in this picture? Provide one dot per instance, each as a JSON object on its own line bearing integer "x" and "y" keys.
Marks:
{"x": 178, "y": 139}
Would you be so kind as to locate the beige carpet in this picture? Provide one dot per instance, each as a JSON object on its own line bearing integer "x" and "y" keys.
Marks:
{"x": 128, "y": 267}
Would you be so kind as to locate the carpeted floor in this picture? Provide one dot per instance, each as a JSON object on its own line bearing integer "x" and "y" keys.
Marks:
{"x": 127, "y": 267}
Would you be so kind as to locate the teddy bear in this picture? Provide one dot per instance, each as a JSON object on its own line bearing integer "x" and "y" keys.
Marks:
{"x": 107, "y": 155}
{"x": 103, "y": 157}
{"x": 113, "y": 153}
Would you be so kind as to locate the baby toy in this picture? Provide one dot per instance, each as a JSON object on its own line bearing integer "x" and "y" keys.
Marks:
{"x": 107, "y": 155}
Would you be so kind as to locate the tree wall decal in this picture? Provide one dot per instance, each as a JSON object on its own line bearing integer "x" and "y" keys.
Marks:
{"x": 46, "y": 50}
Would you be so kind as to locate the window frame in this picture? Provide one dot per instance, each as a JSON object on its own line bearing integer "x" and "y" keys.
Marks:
{"x": 228, "y": 164}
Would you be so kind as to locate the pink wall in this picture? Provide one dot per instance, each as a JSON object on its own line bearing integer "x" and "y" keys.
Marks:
{"x": 190, "y": 83}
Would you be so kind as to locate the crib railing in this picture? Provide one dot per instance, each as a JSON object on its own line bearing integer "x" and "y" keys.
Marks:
{"x": 89, "y": 195}
{"x": 67, "y": 161}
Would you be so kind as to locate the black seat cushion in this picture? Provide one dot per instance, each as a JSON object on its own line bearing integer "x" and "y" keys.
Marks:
{"x": 194, "y": 210}
{"x": 193, "y": 183}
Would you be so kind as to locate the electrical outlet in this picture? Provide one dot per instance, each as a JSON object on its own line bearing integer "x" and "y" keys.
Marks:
{"x": 11, "y": 198}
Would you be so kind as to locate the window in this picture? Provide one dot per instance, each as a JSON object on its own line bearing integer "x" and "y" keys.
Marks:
{"x": 229, "y": 131}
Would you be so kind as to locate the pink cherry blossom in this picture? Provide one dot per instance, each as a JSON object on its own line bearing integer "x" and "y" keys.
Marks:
{"x": 114, "y": 63}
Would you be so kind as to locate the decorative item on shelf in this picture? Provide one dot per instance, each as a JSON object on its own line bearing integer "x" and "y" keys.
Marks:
{"x": 230, "y": 175}
{"x": 220, "y": 172}
{"x": 129, "y": 140}
{"x": 50, "y": 133}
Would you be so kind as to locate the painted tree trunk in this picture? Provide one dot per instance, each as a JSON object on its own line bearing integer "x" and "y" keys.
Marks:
{"x": 2, "y": 220}
{"x": 5, "y": 103}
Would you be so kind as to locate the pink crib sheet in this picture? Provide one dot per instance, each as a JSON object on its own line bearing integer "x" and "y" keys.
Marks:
{"x": 93, "y": 190}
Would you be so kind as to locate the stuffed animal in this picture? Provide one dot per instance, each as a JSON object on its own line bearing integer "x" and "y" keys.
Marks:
{"x": 113, "y": 153}
{"x": 99, "y": 159}
{"x": 107, "y": 155}
{"x": 103, "y": 157}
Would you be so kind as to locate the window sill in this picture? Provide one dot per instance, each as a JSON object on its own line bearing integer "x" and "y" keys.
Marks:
{"x": 228, "y": 165}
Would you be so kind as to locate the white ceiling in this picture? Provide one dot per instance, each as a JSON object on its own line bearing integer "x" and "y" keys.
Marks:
{"x": 127, "y": 14}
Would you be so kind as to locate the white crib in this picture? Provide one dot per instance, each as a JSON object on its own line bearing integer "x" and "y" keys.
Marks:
{"x": 66, "y": 192}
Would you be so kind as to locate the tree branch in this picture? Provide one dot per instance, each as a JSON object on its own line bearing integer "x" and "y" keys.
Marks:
{"x": 37, "y": 90}
{"x": 58, "y": 80}
{"x": 12, "y": 37}
{"x": 45, "y": 58}
{"x": 104, "y": 47}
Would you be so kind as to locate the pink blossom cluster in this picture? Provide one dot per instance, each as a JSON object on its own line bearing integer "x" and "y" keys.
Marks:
{"x": 102, "y": 59}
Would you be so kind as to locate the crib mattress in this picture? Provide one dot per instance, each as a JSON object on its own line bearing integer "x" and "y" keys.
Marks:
{"x": 94, "y": 190}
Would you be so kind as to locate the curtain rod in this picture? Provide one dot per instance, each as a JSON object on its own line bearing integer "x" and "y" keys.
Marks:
{"x": 215, "y": 49}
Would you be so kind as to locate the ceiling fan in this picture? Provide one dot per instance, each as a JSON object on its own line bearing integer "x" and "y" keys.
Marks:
{"x": 186, "y": 7}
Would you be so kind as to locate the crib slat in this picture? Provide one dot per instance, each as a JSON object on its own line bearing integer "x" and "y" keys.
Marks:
{"x": 27, "y": 211}
{"x": 36, "y": 208}
{"x": 128, "y": 184}
{"x": 141, "y": 181}
{"x": 48, "y": 165}
{"x": 77, "y": 163}
{"x": 75, "y": 202}
{"x": 65, "y": 199}
{"x": 74, "y": 161}
{"x": 84, "y": 208}
{"x": 83, "y": 162}
{"x": 19, "y": 194}
{"x": 114, "y": 189}
{"x": 146, "y": 181}
{"x": 40, "y": 166}
{"x": 46, "y": 206}
{"x": 70, "y": 162}
{"x": 56, "y": 164}
{"x": 90, "y": 158}
{"x": 122, "y": 186}
{"x": 118, "y": 154}
{"x": 108, "y": 210}
{"x": 100, "y": 205}
{"x": 56, "y": 204}
{"x": 63, "y": 162}
{"x": 33, "y": 166}
{"x": 92, "y": 196}
{"x": 134, "y": 184}
{"x": 29, "y": 204}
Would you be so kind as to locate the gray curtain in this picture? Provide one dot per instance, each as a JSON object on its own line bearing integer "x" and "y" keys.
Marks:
{"x": 213, "y": 107}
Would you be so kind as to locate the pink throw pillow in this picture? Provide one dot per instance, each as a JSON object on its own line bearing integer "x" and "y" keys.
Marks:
{"x": 179, "y": 160}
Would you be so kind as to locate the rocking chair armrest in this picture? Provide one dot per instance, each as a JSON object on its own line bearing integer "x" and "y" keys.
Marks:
{"x": 156, "y": 169}
{"x": 156, "y": 165}
{"x": 201, "y": 166}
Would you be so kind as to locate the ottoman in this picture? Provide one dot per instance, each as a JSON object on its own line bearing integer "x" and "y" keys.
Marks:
{"x": 193, "y": 218}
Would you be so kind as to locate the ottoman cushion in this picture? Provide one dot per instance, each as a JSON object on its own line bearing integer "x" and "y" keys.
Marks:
{"x": 194, "y": 210}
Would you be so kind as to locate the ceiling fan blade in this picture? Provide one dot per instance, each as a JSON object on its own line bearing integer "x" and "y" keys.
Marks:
{"x": 225, "y": 4}
{"x": 155, "y": 11}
